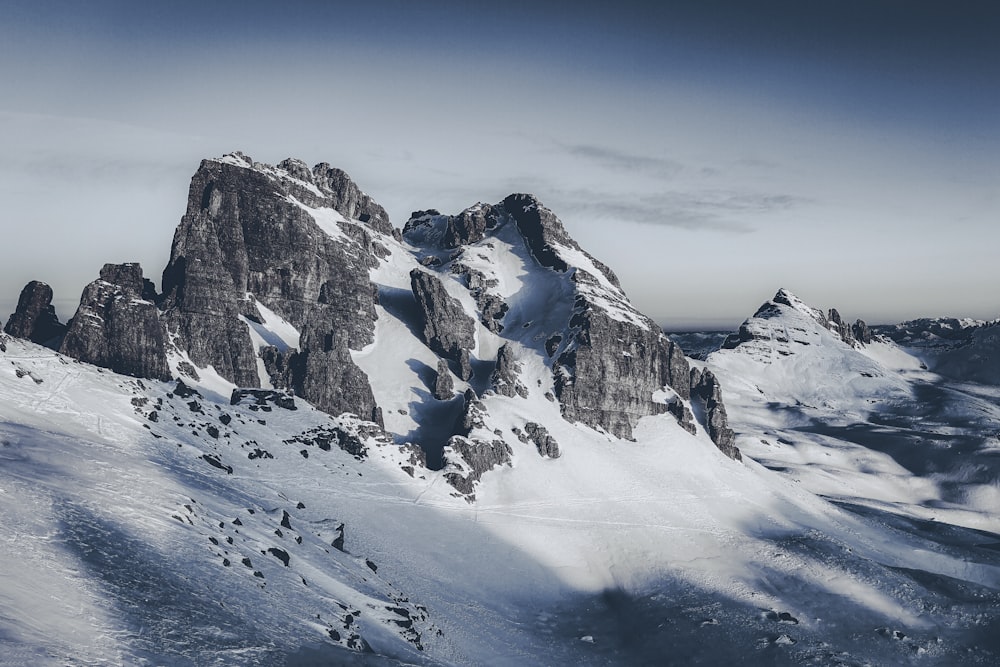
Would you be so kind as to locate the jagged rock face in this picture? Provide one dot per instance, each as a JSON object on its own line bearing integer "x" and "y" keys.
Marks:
{"x": 862, "y": 332}
{"x": 545, "y": 443}
{"x": 448, "y": 330}
{"x": 430, "y": 228}
{"x": 610, "y": 365}
{"x": 491, "y": 307}
{"x": 682, "y": 413}
{"x": 468, "y": 226}
{"x": 706, "y": 388}
{"x": 608, "y": 378}
{"x": 468, "y": 458}
{"x": 608, "y": 360}
{"x": 477, "y": 457}
{"x": 506, "y": 374}
{"x": 117, "y": 325}
{"x": 444, "y": 386}
{"x": 839, "y": 326}
{"x": 251, "y": 229}
{"x": 35, "y": 318}
{"x": 543, "y": 231}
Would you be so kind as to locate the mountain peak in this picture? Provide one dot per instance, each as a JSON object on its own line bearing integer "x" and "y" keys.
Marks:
{"x": 787, "y": 318}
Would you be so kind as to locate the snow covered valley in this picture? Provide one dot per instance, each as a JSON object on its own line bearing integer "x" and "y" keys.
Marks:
{"x": 128, "y": 541}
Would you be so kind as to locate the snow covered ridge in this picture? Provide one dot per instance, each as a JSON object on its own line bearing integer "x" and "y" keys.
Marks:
{"x": 460, "y": 445}
{"x": 786, "y": 319}
{"x": 291, "y": 279}
{"x": 963, "y": 349}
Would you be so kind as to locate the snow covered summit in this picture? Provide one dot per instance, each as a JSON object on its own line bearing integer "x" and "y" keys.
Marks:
{"x": 463, "y": 337}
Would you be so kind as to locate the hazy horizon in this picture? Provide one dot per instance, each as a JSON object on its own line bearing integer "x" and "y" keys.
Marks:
{"x": 709, "y": 153}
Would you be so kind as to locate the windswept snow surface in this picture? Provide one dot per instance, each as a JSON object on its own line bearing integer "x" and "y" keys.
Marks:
{"x": 870, "y": 430}
{"x": 118, "y": 530}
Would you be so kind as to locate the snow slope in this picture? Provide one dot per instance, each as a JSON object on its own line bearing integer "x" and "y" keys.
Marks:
{"x": 118, "y": 529}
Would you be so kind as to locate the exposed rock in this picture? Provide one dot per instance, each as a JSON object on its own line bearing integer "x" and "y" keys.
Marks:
{"x": 248, "y": 235}
{"x": 117, "y": 325}
{"x": 543, "y": 231}
{"x": 610, "y": 364}
{"x": 472, "y": 413}
{"x": 607, "y": 377}
{"x": 841, "y": 328}
{"x": 343, "y": 195}
{"x": 545, "y": 443}
{"x": 469, "y": 226}
{"x": 683, "y": 415}
{"x": 862, "y": 333}
{"x": 492, "y": 308}
{"x": 262, "y": 397}
{"x": 706, "y": 388}
{"x": 338, "y": 540}
{"x": 444, "y": 386}
{"x": 470, "y": 458}
{"x": 448, "y": 329}
{"x": 430, "y": 228}
{"x": 35, "y": 318}
{"x": 464, "y": 365}
{"x": 506, "y": 374}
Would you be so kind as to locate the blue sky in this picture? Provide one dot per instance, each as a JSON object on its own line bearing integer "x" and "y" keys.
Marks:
{"x": 709, "y": 152}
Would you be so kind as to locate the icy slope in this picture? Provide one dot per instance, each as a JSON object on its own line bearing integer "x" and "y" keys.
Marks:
{"x": 139, "y": 527}
{"x": 861, "y": 423}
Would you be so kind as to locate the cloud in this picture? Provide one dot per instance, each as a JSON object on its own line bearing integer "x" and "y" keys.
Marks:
{"x": 617, "y": 160}
{"x": 717, "y": 210}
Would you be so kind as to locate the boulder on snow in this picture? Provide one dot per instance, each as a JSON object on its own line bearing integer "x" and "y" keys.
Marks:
{"x": 545, "y": 443}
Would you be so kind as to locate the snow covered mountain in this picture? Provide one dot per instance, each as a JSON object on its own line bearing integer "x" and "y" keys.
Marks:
{"x": 961, "y": 349}
{"x": 328, "y": 441}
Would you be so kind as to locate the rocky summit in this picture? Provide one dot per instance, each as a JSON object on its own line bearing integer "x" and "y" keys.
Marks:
{"x": 291, "y": 279}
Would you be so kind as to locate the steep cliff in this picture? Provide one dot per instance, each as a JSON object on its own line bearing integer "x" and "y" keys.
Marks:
{"x": 117, "y": 325}
{"x": 298, "y": 242}
{"x": 35, "y": 318}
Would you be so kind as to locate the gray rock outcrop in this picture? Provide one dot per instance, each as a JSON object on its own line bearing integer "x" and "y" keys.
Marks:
{"x": 468, "y": 226}
{"x": 545, "y": 444}
{"x": 840, "y": 327}
{"x": 467, "y": 457}
{"x": 249, "y": 235}
{"x": 505, "y": 379}
{"x": 476, "y": 457}
{"x": 705, "y": 388}
{"x": 444, "y": 386}
{"x": 35, "y": 318}
{"x": 610, "y": 366}
{"x": 682, "y": 413}
{"x": 448, "y": 329}
{"x": 491, "y": 307}
{"x": 117, "y": 325}
{"x": 862, "y": 332}
{"x": 543, "y": 232}
{"x": 608, "y": 377}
